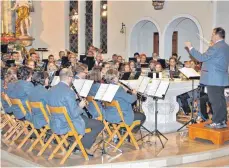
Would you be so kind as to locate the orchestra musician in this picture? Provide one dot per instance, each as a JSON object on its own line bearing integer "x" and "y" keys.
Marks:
{"x": 39, "y": 94}
{"x": 125, "y": 101}
{"x": 7, "y": 86}
{"x": 94, "y": 75}
{"x": 22, "y": 89}
{"x": 63, "y": 95}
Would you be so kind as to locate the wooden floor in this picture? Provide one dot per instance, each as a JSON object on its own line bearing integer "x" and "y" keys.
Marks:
{"x": 178, "y": 144}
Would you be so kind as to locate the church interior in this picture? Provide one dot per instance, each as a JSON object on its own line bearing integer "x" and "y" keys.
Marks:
{"x": 112, "y": 83}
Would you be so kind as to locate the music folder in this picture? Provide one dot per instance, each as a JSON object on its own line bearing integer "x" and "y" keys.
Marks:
{"x": 190, "y": 73}
{"x": 106, "y": 92}
{"x": 83, "y": 86}
{"x": 157, "y": 88}
{"x": 126, "y": 76}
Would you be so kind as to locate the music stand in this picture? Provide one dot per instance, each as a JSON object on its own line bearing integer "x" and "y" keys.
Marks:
{"x": 42, "y": 50}
{"x": 156, "y": 132}
{"x": 192, "y": 120}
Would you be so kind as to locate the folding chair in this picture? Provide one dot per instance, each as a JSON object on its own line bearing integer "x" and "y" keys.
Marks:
{"x": 8, "y": 120}
{"x": 27, "y": 126}
{"x": 129, "y": 129}
{"x": 100, "y": 117}
{"x": 73, "y": 132}
{"x": 43, "y": 131}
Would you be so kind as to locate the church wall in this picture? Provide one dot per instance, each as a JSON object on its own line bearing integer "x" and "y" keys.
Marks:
{"x": 49, "y": 26}
{"x": 130, "y": 13}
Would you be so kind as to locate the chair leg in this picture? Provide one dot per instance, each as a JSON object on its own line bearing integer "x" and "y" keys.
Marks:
{"x": 37, "y": 140}
{"x": 12, "y": 133}
{"x": 26, "y": 138}
{"x": 78, "y": 140}
{"x": 60, "y": 143}
{"x": 68, "y": 153}
{"x": 46, "y": 145}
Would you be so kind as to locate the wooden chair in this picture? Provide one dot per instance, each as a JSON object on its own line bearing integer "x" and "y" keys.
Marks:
{"x": 43, "y": 131}
{"x": 28, "y": 128}
{"x": 100, "y": 117}
{"x": 73, "y": 132}
{"x": 8, "y": 120}
{"x": 129, "y": 129}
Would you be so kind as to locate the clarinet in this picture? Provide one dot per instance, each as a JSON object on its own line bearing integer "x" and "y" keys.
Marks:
{"x": 85, "y": 108}
{"x": 139, "y": 95}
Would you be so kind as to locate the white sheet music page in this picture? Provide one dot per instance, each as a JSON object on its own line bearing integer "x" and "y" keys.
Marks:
{"x": 78, "y": 83}
{"x": 162, "y": 88}
{"x": 55, "y": 81}
{"x": 152, "y": 87}
{"x": 189, "y": 72}
{"x": 86, "y": 88}
{"x": 110, "y": 92}
{"x": 139, "y": 81}
{"x": 100, "y": 93}
{"x": 143, "y": 84}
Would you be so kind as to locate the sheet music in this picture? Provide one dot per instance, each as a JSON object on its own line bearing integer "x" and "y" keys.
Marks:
{"x": 78, "y": 83}
{"x": 101, "y": 91}
{"x": 152, "y": 87}
{"x": 55, "y": 81}
{"x": 139, "y": 81}
{"x": 189, "y": 72}
{"x": 110, "y": 92}
{"x": 143, "y": 84}
{"x": 161, "y": 90}
{"x": 86, "y": 88}
{"x": 126, "y": 82}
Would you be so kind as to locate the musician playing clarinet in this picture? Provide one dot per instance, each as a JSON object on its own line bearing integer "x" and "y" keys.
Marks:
{"x": 125, "y": 101}
{"x": 63, "y": 95}
{"x": 214, "y": 74}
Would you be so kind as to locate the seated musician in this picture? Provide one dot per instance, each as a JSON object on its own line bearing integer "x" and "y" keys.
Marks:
{"x": 30, "y": 63}
{"x": 125, "y": 101}
{"x": 63, "y": 95}
{"x": 173, "y": 70}
{"x": 158, "y": 69}
{"x": 152, "y": 64}
{"x": 143, "y": 59}
{"x": 39, "y": 94}
{"x": 7, "y": 86}
{"x": 132, "y": 65}
{"x": 22, "y": 89}
{"x": 105, "y": 68}
{"x": 125, "y": 68}
{"x": 81, "y": 71}
{"x": 94, "y": 75}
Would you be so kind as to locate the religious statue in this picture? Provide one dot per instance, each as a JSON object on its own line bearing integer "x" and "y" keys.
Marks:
{"x": 23, "y": 21}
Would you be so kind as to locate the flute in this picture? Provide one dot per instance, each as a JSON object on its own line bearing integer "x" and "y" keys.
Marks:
{"x": 80, "y": 98}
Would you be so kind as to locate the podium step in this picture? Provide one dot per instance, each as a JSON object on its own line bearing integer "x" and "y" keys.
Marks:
{"x": 217, "y": 136}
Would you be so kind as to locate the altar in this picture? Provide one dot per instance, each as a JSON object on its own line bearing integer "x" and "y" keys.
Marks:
{"x": 167, "y": 108}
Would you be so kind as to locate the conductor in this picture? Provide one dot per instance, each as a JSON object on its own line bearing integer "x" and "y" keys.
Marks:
{"x": 214, "y": 75}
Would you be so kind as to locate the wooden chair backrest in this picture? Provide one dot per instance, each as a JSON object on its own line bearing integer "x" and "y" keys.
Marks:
{"x": 39, "y": 105}
{"x": 20, "y": 105}
{"x": 115, "y": 104}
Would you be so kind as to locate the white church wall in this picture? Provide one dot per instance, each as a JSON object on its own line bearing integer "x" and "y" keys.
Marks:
{"x": 129, "y": 12}
{"x": 50, "y": 26}
{"x": 222, "y": 17}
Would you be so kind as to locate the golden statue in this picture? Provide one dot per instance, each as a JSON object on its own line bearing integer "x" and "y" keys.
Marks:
{"x": 23, "y": 21}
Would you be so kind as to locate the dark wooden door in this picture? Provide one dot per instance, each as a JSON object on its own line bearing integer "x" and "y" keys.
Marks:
{"x": 156, "y": 43}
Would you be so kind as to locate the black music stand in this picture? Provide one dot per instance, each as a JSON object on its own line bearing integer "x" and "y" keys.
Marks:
{"x": 192, "y": 120}
{"x": 156, "y": 132}
{"x": 42, "y": 50}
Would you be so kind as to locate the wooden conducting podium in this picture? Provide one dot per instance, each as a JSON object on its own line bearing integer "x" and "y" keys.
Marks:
{"x": 217, "y": 136}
